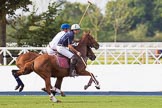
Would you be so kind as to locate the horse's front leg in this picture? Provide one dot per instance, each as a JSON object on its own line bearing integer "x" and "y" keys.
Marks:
{"x": 58, "y": 86}
{"x": 95, "y": 81}
{"x": 20, "y": 84}
{"x": 92, "y": 79}
{"x": 88, "y": 84}
{"x": 48, "y": 90}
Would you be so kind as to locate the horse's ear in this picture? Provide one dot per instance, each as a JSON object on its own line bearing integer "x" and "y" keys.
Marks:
{"x": 87, "y": 32}
{"x": 84, "y": 32}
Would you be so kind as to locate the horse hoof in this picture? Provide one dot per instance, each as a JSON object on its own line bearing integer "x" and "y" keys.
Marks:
{"x": 53, "y": 99}
{"x": 85, "y": 87}
{"x": 44, "y": 89}
{"x": 97, "y": 86}
{"x": 58, "y": 101}
{"x": 62, "y": 94}
{"x": 22, "y": 87}
{"x": 17, "y": 87}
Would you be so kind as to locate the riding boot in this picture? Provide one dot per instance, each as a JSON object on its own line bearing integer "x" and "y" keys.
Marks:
{"x": 73, "y": 62}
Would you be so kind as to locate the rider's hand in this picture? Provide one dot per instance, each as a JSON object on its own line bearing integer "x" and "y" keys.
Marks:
{"x": 78, "y": 53}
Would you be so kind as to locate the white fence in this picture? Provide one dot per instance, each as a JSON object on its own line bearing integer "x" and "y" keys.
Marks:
{"x": 108, "y": 53}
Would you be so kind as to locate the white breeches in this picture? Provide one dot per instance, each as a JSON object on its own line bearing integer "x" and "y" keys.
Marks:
{"x": 64, "y": 51}
{"x": 50, "y": 51}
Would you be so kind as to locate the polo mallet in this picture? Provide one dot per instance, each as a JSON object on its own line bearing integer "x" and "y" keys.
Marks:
{"x": 89, "y": 3}
{"x": 89, "y": 72}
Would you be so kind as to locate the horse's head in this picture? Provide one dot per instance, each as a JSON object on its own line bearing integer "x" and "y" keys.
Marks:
{"x": 90, "y": 54}
{"x": 90, "y": 41}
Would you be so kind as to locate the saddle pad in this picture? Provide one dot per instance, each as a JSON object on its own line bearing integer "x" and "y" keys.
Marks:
{"x": 63, "y": 62}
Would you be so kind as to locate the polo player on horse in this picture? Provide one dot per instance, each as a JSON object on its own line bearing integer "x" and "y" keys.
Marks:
{"x": 51, "y": 47}
{"x": 66, "y": 48}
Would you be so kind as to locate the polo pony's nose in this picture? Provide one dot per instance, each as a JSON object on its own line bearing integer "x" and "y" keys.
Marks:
{"x": 93, "y": 58}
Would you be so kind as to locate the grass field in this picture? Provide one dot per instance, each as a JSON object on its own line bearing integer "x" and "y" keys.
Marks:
{"x": 82, "y": 102}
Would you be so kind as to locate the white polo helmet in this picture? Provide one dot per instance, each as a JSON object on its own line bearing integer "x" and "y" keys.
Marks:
{"x": 75, "y": 27}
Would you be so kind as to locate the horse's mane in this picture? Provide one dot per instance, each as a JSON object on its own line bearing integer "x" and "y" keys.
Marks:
{"x": 85, "y": 34}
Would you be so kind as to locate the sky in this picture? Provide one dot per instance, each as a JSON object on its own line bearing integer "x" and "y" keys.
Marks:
{"x": 100, "y": 3}
{"x": 42, "y": 4}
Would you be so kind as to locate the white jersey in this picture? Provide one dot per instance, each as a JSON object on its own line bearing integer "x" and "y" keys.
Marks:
{"x": 52, "y": 45}
{"x": 55, "y": 40}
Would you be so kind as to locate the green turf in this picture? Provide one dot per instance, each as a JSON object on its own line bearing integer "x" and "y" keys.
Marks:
{"x": 82, "y": 102}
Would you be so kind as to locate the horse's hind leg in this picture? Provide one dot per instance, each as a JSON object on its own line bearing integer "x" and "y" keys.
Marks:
{"x": 18, "y": 80}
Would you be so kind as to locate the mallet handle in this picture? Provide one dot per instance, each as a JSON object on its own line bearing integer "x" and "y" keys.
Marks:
{"x": 85, "y": 12}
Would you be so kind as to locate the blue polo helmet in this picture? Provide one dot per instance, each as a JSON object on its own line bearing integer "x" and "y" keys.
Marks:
{"x": 65, "y": 26}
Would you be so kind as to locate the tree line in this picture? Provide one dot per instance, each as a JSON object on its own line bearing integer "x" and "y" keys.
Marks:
{"x": 122, "y": 21}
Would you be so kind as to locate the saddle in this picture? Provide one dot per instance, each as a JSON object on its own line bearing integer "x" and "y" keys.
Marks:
{"x": 63, "y": 61}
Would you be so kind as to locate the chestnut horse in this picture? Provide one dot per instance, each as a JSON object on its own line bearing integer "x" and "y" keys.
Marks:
{"x": 20, "y": 62}
{"x": 47, "y": 66}
{"x": 28, "y": 57}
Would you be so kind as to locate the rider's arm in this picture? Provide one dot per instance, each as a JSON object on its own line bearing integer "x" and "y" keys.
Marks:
{"x": 72, "y": 49}
{"x": 70, "y": 39}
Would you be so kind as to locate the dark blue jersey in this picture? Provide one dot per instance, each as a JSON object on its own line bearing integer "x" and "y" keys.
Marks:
{"x": 66, "y": 39}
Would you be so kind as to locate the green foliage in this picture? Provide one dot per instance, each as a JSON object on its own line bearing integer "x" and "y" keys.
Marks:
{"x": 92, "y": 20}
{"x": 72, "y": 12}
{"x": 37, "y": 30}
{"x": 118, "y": 14}
{"x": 8, "y": 7}
{"x": 157, "y": 37}
{"x": 139, "y": 33}
{"x": 123, "y": 20}
{"x": 138, "y": 19}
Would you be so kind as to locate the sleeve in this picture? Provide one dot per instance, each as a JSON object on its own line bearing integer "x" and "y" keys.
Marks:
{"x": 70, "y": 39}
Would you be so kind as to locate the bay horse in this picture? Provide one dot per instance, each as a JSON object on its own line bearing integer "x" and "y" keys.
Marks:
{"x": 47, "y": 66}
